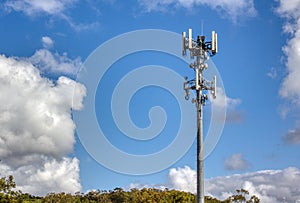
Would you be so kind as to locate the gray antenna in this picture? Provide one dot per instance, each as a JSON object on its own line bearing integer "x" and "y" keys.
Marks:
{"x": 201, "y": 50}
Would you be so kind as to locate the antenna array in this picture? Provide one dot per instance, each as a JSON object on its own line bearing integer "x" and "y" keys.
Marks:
{"x": 200, "y": 50}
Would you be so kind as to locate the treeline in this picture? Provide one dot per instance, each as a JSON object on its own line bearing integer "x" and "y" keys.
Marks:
{"x": 8, "y": 194}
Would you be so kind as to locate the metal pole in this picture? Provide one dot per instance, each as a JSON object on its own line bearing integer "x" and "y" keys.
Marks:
{"x": 200, "y": 162}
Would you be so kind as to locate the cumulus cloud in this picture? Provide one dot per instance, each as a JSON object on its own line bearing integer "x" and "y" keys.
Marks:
{"x": 46, "y": 175}
{"x": 290, "y": 88}
{"x": 223, "y": 101}
{"x": 183, "y": 179}
{"x": 271, "y": 186}
{"x": 236, "y": 162}
{"x": 36, "y": 128}
{"x": 55, "y": 63}
{"x": 290, "y": 10}
{"x": 229, "y": 8}
{"x": 47, "y": 42}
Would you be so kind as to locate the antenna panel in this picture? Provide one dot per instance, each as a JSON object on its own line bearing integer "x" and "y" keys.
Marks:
{"x": 183, "y": 44}
{"x": 190, "y": 39}
{"x": 214, "y": 42}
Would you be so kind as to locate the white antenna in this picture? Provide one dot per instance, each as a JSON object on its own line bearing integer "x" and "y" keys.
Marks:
{"x": 190, "y": 39}
{"x": 214, "y": 42}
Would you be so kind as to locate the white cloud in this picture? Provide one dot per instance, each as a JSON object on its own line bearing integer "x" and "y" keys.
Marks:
{"x": 289, "y": 8}
{"x": 228, "y": 8}
{"x": 55, "y": 63}
{"x": 183, "y": 179}
{"x": 271, "y": 186}
{"x": 47, "y": 175}
{"x": 47, "y": 42}
{"x": 290, "y": 89}
{"x": 222, "y": 101}
{"x": 36, "y": 128}
{"x": 35, "y": 7}
{"x": 236, "y": 162}
{"x": 52, "y": 8}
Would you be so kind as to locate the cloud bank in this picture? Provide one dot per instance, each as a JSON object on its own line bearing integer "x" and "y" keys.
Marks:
{"x": 290, "y": 88}
{"x": 36, "y": 128}
{"x": 290, "y": 10}
{"x": 231, "y": 9}
{"x": 271, "y": 186}
{"x": 35, "y": 7}
{"x": 52, "y": 8}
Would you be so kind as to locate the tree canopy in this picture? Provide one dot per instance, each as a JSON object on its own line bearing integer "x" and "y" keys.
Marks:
{"x": 9, "y": 194}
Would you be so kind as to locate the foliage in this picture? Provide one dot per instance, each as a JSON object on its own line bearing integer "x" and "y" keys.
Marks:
{"x": 241, "y": 197}
{"x": 8, "y": 194}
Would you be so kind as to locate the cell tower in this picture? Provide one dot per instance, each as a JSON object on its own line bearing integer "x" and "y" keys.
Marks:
{"x": 200, "y": 51}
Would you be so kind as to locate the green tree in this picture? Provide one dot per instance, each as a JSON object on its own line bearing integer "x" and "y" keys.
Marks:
{"x": 241, "y": 197}
{"x": 7, "y": 184}
{"x": 7, "y": 192}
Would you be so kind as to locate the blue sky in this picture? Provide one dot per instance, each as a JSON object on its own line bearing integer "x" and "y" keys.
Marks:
{"x": 44, "y": 44}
